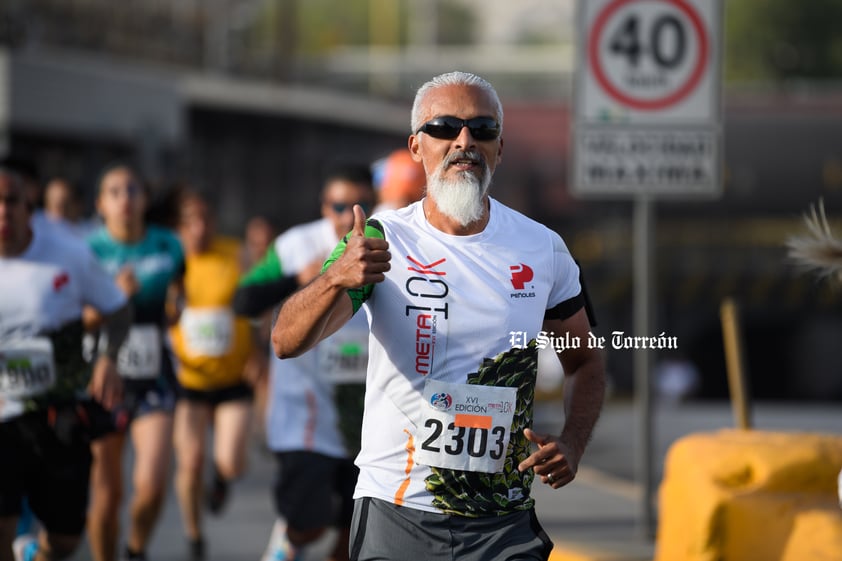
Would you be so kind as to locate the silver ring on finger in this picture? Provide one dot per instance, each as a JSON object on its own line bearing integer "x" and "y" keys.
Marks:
{"x": 550, "y": 477}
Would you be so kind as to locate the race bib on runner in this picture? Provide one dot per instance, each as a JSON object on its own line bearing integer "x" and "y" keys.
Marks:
{"x": 207, "y": 331}
{"x": 465, "y": 427}
{"x": 344, "y": 361}
{"x": 140, "y": 356}
{"x": 26, "y": 368}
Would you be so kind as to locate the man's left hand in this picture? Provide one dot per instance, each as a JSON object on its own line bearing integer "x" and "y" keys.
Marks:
{"x": 553, "y": 461}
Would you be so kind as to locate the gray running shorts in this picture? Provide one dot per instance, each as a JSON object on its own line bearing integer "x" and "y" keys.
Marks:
{"x": 383, "y": 531}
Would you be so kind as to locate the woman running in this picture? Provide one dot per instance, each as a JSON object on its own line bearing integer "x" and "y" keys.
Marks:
{"x": 147, "y": 262}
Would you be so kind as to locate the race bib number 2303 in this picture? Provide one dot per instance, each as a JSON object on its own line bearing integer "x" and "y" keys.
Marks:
{"x": 465, "y": 427}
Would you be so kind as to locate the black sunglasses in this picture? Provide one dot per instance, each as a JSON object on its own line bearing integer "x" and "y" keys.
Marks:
{"x": 448, "y": 128}
{"x": 339, "y": 208}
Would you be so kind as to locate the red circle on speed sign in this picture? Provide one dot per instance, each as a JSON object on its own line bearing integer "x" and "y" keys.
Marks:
{"x": 636, "y": 102}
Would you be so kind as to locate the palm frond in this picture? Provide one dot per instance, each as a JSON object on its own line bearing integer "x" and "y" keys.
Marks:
{"x": 819, "y": 250}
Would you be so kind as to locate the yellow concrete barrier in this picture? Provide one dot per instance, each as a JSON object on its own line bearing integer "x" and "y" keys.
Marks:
{"x": 751, "y": 496}
{"x": 815, "y": 535}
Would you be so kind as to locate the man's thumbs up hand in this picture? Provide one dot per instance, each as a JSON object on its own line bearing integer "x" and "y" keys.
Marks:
{"x": 365, "y": 260}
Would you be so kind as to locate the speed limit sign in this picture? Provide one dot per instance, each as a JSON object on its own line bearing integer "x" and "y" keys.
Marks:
{"x": 649, "y": 60}
{"x": 647, "y": 96}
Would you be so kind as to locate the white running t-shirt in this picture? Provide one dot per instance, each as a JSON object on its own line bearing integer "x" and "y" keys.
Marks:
{"x": 451, "y": 377}
{"x": 42, "y": 292}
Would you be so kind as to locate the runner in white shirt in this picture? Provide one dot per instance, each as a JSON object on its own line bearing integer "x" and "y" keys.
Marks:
{"x": 51, "y": 399}
{"x": 457, "y": 289}
{"x": 314, "y": 410}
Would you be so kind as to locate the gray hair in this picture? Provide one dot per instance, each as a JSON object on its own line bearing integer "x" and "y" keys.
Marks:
{"x": 455, "y": 78}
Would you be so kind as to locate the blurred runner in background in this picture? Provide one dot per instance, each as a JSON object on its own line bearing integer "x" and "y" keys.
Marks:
{"x": 147, "y": 262}
{"x": 315, "y": 404}
{"x": 212, "y": 346}
{"x": 51, "y": 399}
{"x": 399, "y": 180}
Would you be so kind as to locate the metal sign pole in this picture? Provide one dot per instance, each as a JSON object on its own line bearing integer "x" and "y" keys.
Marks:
{"x": 647, "y": 126}
{"x": 644, "y": 279}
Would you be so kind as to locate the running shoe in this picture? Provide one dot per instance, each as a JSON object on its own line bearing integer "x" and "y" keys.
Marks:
{"x": 217, "y": 494}
{"x": 25, "y": 547}
{"x": 129, "y": 555}
{"x": 197, "y": 549}
{"x": 287, "y": 553}
{"x": 279, "y": 548}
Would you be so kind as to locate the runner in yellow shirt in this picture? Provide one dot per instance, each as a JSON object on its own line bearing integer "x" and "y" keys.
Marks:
{"x": 212, "y": 347}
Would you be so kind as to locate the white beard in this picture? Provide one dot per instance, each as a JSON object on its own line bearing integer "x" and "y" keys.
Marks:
{"x": 460, "y": 198}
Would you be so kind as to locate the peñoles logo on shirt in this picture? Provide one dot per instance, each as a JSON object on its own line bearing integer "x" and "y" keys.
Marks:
{"x": 521, "y": 274}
